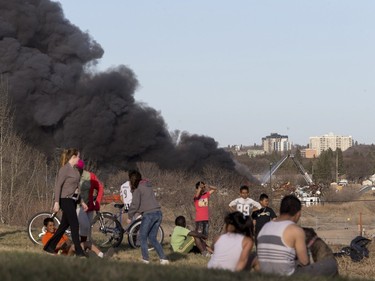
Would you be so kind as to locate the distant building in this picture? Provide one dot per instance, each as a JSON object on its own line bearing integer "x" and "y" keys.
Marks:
{"x": 367, "y": 182}
{"x": 308, "y": 153}
{"x": 255, "y": 152}
{"x": 237, "y": 147}
{"x": 330, "y": 141}
{"x": 276, "y": 143}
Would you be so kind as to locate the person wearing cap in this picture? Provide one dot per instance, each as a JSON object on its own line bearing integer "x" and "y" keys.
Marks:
{"x": 91, "y": 192}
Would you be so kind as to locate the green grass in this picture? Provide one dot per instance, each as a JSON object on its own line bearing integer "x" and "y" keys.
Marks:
{"x": 18, "y": 265}
{"x": 21, "y": 260}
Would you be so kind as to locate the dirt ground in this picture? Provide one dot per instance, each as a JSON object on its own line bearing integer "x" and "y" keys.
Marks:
{"x": 338, "y": 223}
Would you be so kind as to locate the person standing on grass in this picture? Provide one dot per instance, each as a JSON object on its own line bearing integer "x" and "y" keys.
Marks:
{"x": 91, "y": 192}
{"x": 66, "y": 196}
{"x": 126, "y": 194}
{"x": 244, "y": 203}
{"x": 232, "y": 249}
{"x": 144, "y": 202}
{"x": 201, "y": 203}
{"x": 263, "y": 215}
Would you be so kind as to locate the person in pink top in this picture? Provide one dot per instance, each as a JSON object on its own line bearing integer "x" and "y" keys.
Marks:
{"x": 201, "y": 199}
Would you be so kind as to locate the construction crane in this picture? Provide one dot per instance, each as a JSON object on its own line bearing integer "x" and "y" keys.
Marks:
{"x": 266, "y": 176}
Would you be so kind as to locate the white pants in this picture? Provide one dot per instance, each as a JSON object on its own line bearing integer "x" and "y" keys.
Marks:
{"x": 84, "y": 219}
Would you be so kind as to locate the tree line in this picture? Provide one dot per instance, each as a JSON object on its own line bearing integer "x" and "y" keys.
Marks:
{"x": 355, "y": 164}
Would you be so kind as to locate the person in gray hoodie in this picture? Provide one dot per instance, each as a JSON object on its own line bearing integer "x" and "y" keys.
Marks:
{"x": 144, "y": 202}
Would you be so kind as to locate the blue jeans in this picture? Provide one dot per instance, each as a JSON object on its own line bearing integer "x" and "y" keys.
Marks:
{"x": 149, "y": 230}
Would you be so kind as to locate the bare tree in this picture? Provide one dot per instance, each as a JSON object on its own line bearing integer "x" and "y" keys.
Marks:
{"x": 5, "y": 128}
{"x": 25, "y": 176}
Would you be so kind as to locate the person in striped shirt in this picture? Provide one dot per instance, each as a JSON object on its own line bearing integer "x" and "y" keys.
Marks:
{"x": 281, "y": 243}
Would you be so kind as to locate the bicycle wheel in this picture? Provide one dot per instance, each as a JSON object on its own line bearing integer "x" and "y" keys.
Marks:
{"x": 36, "y": 228}
{"x": 134, "y": 237}
{"x": 106, "y": 231}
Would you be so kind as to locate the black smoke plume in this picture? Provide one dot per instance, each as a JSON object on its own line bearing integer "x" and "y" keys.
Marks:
{"x": 60, "y": 102}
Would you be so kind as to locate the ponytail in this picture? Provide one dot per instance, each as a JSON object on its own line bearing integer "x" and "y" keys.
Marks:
{"x": 67, "y": 154}
{"x": 242, "y": 224}
{"x": 134, "y": 177}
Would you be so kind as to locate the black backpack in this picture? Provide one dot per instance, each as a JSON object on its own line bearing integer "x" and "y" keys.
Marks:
{"x": 357, "y": 249}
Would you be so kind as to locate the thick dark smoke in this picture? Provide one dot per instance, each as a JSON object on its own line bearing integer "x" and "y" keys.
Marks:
{"x": 58, "y": 102}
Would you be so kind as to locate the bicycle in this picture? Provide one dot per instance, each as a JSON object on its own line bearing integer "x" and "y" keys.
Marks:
{"x": 36, "y": 228}
{"x": 106, "y": 223}
{"x": 106, "y": 228}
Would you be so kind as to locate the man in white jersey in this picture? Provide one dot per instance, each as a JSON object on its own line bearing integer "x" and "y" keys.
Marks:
{"x": 281, "y": 242}
{"x": 126, "y": 194}
{"x": 244, "y": 204}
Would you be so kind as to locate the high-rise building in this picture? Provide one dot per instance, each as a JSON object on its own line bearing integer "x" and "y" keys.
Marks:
{"x": 276, "y": 142}
{"x": 331, "y": 141}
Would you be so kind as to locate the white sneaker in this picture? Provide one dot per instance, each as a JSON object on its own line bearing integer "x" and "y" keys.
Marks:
{"x": 145, "y": 261}
{"x": 207, "y": 255}
{"x": 162, "y": 261}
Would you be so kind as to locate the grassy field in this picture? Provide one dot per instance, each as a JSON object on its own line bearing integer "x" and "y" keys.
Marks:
{"x": 21, "y": 260}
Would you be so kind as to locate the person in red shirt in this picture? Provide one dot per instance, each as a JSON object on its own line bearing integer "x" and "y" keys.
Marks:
{"x": 201, "y": 199}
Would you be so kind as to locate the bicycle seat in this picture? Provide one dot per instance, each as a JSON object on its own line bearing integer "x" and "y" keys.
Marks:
{"x": 120, "y": 206}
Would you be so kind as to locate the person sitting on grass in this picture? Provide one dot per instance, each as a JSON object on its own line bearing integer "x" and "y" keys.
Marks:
{"x": 232, "y": 250}
{"x": 183, "y": 240}
{"x": 65, "y": 245}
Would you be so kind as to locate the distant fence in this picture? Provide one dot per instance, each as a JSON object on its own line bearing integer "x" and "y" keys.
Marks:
{"x": 339, "y": 222}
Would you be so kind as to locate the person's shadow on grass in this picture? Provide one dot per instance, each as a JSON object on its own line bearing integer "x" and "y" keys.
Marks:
{"x": 174, "y": 256}
{"x": 3, "y": 234}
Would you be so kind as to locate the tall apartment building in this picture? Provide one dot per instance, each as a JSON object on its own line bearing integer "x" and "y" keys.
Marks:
{"x": 331, "y": 141}
{"x": 276, "y": 142}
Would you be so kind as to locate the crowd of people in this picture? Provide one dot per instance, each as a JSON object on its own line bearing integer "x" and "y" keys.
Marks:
{"x": 253, "y": 236}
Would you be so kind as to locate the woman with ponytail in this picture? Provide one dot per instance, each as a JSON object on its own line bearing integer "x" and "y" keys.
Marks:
{"x": 66, "y": 195}
{"x": 144, "y": 202}
{"x": 232, "y": 249}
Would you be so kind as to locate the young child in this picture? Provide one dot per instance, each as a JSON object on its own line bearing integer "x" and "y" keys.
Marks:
{"x": 244, "y": 204}
{"x": 183, "y": 240}
{"x": 263, "y": 215}
{"x": 201, "y": 199}
{"x": 65, "y": 245}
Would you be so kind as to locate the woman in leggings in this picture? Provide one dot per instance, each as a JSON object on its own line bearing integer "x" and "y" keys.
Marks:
{"x": 66, "y": 194}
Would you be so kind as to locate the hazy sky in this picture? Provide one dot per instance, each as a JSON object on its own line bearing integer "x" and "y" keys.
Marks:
{"x": 239, "y": 70}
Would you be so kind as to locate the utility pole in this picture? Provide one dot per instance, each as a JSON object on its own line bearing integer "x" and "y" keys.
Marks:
{"x": 270, "y": 188}
{"x": 337, "y": 167}
{"x": 271, "y": 176}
